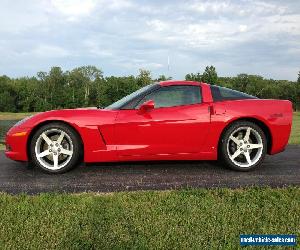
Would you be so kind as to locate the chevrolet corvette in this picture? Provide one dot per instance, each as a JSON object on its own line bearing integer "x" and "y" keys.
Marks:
{"x": 171, "y": 120}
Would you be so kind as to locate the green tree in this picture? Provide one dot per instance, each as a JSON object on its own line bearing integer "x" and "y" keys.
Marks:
{"x": 194, "y": 77}
{"x": 83, "y": 85}
{"x": 86, "y": 86}
{"x": 118, "y": 87}
{"x": 84, "y": 78}
{"x": 29, "y": 96}
{"x": 162, "y": 78}
{"x": 241, "y": 82}
{"x": 53, "y": 87}
{"x": 7, "y": 95}
{"x": 210, "y": 75}
{"x": 144, "y": 77}
{"x": 297, "y": 106}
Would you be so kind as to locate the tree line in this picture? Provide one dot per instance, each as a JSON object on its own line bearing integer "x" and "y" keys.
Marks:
{"x": 86, "y": 86}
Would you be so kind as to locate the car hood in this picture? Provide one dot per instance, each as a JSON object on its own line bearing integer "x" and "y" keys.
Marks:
{"x": 80, "y": 116}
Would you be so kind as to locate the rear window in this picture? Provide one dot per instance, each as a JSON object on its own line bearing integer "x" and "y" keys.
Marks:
{"x": 223, "y": 94}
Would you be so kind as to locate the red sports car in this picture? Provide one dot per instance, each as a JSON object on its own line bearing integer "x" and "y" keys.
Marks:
{"x": 172, "y": 120}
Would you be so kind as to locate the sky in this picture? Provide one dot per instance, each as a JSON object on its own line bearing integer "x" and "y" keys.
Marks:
{"x": 122, "y": 36}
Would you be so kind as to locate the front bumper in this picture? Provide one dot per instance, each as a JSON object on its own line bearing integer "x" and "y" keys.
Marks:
{"x": 16, "y": 143}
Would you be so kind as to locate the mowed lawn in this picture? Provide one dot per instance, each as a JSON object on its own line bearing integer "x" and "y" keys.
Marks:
{"x": 295, "y": 135}
{"x": 13, "y": 116}
{"x": 185, "y": 219}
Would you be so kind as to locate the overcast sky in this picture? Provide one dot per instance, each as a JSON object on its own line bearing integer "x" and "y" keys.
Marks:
{"x": 121, "y": 36}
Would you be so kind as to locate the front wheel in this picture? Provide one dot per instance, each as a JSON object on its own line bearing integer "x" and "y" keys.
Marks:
{"x": 55, "y": 148}
{"x": 244, "y": 146}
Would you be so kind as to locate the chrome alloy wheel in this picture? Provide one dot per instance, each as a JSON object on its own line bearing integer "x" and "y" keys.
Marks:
{"x": 54, "y": 149}
{"x": 244, "y": 147}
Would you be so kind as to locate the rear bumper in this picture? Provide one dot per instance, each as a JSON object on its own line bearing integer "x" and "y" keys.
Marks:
{"x": 281, "y": 130}
{"x": 16, "y": 143}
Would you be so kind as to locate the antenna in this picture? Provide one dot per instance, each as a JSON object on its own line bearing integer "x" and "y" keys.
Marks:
{"x": 168, "y": 63}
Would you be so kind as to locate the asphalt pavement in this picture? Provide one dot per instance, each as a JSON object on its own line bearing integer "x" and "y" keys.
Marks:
{"x": 277, "y": 171}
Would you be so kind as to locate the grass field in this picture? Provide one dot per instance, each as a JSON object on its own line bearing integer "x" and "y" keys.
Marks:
{"x": 295, "y": 135}
{"x": 198, "y": 219}
{"x": 13, "y": 116}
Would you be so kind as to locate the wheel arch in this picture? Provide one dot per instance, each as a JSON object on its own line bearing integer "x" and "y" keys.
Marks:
{"x": 39, "y": 125}
{"x": 256, "y": 121}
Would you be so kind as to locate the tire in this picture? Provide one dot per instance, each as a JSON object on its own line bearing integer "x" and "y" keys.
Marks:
{"x": 243, "y": 146}
{"x": 55, "y": 148}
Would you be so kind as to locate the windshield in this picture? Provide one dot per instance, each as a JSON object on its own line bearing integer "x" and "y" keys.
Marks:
{"x": 128, "y": 98}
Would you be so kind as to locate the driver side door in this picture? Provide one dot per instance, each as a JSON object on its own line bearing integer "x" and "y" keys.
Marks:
{"x": 178, "y": 124}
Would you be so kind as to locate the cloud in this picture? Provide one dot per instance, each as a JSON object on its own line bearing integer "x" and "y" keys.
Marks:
{"x": 237, "y": 8}
{"x": 49, "y": 51}
{"x": 73, "y": 9}
{"x": 157, "y": 25}
{"x": 121, "y": 36}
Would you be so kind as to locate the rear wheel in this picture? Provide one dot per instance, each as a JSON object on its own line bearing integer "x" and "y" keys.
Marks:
{"x": 55, "y": 148}
{"x": 244, "y": 146}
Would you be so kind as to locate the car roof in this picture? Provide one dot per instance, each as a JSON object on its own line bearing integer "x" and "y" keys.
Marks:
{"x": 178, "y": 82}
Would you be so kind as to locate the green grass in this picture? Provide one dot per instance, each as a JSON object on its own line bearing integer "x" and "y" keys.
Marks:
{"x": 198, "y": 219}
{"x": 295, "y": 135}
{"x": 13, "y": 116}
{"x": 2, "y": 146}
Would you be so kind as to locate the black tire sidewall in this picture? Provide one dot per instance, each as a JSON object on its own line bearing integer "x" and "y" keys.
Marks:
{"x": 223, "y": 147}
{"x": 77, "y": 147}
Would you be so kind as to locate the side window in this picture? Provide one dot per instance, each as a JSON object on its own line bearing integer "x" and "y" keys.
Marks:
{"x": 171, "y": 96}
{"x": 222, "y": 94}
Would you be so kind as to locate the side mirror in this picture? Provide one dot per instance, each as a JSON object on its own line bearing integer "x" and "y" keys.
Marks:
{"x": 147, "y": 106}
